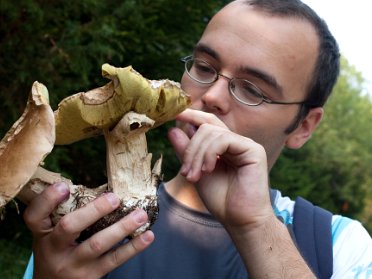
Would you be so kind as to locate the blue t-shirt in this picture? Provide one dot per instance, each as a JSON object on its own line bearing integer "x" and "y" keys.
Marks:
{"x": 190, "y": 244}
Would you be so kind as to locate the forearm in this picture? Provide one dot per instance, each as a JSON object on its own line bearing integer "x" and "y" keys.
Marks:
{"x": 269, "y": 252}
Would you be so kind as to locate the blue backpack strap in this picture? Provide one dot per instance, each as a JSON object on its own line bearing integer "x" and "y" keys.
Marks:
{"x": 312, "y": 227}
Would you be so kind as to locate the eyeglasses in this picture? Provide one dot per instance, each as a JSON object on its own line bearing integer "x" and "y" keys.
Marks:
{"x": 242, "y": 90}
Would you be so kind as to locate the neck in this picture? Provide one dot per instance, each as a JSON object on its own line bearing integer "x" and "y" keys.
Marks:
{"x": 185, "y": 192}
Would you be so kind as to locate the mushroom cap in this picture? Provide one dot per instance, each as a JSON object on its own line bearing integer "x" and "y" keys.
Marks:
{"x": 85, "y": 114}
{"x": 26, "y": 144}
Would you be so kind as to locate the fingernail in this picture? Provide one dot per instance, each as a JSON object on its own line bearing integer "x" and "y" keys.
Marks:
{"x": 139, "y": 216}
{"x": 184, "y": 169}
{"x": 146, "y": 236}
{"x": 190, "y": 174}
{"x": 61, "y": 187}
{"x": 112, "y": 199}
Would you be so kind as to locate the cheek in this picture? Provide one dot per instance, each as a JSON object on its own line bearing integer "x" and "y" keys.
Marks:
{"x": 195, "y": 92}
{"x": 268, "y": 134}
{"x": 267, "y": 129}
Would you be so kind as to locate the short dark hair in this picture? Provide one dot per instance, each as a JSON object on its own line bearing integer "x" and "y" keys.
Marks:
{"x": 327, "y": 67}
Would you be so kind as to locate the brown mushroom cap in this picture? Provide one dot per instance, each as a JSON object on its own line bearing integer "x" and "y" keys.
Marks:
{"x": 85, "y": 114}
{"x": 26, "y": 144}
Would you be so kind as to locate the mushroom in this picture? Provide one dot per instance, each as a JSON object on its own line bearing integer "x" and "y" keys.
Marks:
{"x": 122, "y": 111}
{"x": 87, "y": 114}
{"x": 26, "y": 144}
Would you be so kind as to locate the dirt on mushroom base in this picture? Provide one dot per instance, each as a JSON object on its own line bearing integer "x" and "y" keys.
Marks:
{"x": 151, "y": 208}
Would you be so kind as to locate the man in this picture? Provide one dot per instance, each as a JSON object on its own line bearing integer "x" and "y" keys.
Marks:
{"x": 258, "y": 79}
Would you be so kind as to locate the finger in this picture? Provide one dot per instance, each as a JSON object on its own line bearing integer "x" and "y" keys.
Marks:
{"x": 71, "y": 225}
{"x": 37, "y": 214}
{"x": 197, "y": 118}
{"x": 104, "y": 240}
{"x": 179, "y": 140}
{"x": 125, "y": 252}
{"x": 189, "y": 151}
{"x": 202, "y": 152}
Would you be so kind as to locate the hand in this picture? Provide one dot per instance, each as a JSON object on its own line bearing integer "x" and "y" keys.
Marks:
{"x": 56, "y": 253}
{"x": 230, "y": 170}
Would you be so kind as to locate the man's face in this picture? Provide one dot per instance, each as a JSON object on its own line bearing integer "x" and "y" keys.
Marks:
{"x": 276, "y": 54}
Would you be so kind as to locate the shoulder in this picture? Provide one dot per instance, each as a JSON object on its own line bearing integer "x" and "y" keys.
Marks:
{"x": 352, "y": 245}
{"x": 352, "y": 249}
{"x": 283, "y": 207}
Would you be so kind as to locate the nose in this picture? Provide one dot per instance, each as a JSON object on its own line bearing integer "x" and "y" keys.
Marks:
{"x": 217, "y": 97}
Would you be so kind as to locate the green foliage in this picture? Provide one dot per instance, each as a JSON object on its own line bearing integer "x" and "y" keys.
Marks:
{"x": 63, "y": 45}
{"x": 332, "y": 169}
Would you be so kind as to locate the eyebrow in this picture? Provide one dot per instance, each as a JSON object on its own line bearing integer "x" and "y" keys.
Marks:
{"x": 202, "y": 48}
{"x": 267, "y": 78}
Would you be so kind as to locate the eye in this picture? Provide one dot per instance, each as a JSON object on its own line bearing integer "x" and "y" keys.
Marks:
{"x": 246, "y": 92}
{"x": 203, "y": 68}
{"x": 249, "y": 89}
{"x": 203, "y": 71}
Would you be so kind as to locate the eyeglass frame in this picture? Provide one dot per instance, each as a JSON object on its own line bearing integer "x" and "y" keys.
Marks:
{"x": 264, "y": 99}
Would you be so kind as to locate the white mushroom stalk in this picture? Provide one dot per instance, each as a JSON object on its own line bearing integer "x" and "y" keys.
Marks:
{"x": 123, "y": 111}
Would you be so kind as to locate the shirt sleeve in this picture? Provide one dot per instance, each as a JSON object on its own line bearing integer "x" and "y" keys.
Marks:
{"x": 352, "y": 249}
{"x": 30, "y": 268}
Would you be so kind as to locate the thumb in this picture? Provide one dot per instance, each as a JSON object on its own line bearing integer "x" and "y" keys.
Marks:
{"x": 179, "y": 140}
{"x": 38, "y": 212}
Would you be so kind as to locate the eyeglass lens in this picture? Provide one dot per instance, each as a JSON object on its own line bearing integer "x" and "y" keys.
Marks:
{"x": 241, "y": 89}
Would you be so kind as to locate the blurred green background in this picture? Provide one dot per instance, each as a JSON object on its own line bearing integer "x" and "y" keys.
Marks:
{"x": 63, "y": 44}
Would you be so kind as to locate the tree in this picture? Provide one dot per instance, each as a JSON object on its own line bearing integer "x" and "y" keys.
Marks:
{"x": 63, "y": 45}
{"x": 332, "y": 169}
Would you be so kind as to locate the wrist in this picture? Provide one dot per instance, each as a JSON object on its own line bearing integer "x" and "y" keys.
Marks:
{"x": 255, "y": 229}
{"x": 266, "y": 247}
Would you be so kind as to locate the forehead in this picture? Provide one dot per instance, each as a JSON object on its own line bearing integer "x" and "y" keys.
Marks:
{"x": 281, "y": 47}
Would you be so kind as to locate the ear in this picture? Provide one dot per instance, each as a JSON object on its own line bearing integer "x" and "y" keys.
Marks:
{"x": 300, "y": 136}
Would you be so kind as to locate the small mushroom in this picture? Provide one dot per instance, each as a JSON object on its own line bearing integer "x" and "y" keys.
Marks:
{"x": 123, "y": 111}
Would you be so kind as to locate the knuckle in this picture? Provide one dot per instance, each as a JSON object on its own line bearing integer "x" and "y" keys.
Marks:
{"x": 259, "y": 148}
{"x": 210, "y": 118}
{"x": 115, "y": 258}
{"x": 121, "y": 254}
{"x": 135, "y": 245}
{"x": 125, "y": 226}
{"x": 187, "y": 153}
{"x": 101, "y": 206}
{"x": 65, "y": 224}
{"x": 96, "y": 245}
{"x": 28, "y": 217}
{"x": 204, "y": 127}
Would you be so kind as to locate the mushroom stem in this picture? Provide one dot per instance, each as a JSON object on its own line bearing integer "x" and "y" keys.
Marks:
{"x": 128, "y": 161}
{"x": 129, "y": 164}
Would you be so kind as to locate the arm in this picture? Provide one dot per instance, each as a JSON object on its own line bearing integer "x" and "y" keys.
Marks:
{"x": 58, "y": 255}
{"x": 231, "y": 175}
{"x": 268, "y": 251}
